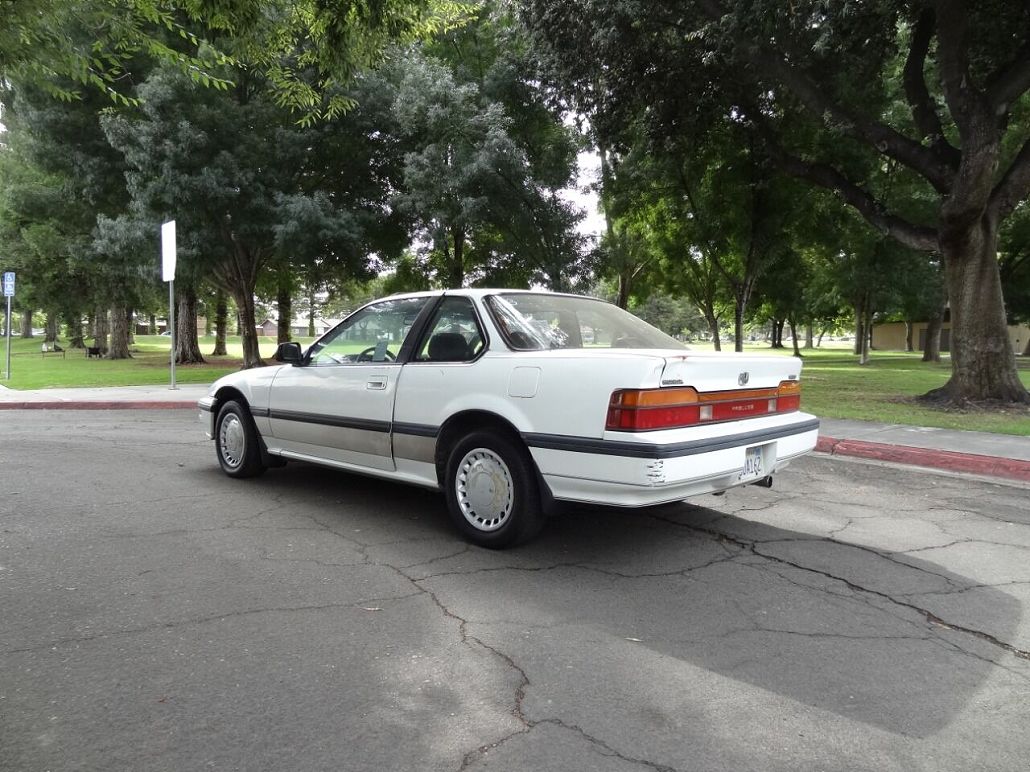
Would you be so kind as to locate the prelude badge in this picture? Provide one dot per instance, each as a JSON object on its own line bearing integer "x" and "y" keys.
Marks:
{"x": 743, "y": 378}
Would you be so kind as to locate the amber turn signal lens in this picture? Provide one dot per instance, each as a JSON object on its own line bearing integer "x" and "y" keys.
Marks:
{"x": 654, "y": 398}
{"x": 789, "y": 388}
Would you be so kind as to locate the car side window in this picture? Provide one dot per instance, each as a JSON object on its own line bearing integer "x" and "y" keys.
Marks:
{"x": 454, "y": 334}
{"x": 373, "y": 334}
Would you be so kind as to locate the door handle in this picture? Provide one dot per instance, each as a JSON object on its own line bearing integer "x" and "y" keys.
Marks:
{"x": 377, "y": 384}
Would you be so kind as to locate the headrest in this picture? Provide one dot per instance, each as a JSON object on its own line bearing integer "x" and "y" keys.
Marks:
{"x": 448, "y": 347}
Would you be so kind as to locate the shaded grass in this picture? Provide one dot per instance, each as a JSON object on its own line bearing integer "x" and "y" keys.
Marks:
{"x": 835, "y": 385}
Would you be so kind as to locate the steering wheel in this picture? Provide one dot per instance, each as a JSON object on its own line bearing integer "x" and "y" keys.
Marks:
{"x": 367, "y": 354}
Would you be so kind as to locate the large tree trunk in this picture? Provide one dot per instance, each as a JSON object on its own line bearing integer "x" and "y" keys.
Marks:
{"x": 456, "y": 277}
{"x": 738, "y": 322}
{"x": 100, "y": 329}
{"x": 244, "y": 298}
{"x": 794, "y": 335}
{"x": 26, "y": 324}
{"x": 187, "y": 347}
{"x": 859, "y": 327}
{"x": 983, "y": 364}
{"x": 908, "y": 336}
{"x": 119, "y": 334}
{"x": 221, "y": 323}
{"x": 311, "y": 313}
{"x": 73, "y": 322}
{"x": 622, "y": 299}
{"x": 932, "y": 344}
{"x": 285, "y": 303}
{"x": 51, "y": 327}
{"x": 867, "y": 323}
{"x": 809, "y": 335}
{"x": 713, "y": 326}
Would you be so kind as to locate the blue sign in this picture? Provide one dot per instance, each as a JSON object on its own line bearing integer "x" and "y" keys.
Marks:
{"x": 9, "y": 284}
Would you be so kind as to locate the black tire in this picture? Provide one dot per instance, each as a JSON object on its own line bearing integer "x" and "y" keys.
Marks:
{"x": 236, "y": 441}
{"x": 492, "y": 491}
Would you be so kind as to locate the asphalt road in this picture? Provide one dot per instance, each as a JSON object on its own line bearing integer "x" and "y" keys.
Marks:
{"x": 156, "y": 615}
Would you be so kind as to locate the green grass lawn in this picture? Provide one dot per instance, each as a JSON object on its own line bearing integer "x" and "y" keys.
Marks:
{"x": 149, "y": 364}
{"x": 835, "y": 385}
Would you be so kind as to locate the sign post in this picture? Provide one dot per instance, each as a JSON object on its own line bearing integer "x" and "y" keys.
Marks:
{"x": 8, "y": 293}
{"x": 168, "y": 275}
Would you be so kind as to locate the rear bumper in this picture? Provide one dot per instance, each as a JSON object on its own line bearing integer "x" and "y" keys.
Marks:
{"x": 641, "y": 473}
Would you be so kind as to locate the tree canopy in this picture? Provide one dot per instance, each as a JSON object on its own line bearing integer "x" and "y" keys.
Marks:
{"x": 837, "y": 92}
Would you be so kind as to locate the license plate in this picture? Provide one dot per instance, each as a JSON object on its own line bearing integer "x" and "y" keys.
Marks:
{"x": 753, "y": 464}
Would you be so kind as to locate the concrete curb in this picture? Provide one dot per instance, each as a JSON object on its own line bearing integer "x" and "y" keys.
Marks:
{"x": 970, "y": 463}
{"x": 100, "y": 405}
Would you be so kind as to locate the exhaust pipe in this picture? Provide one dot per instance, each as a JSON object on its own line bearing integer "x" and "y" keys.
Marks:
{"x": 765, "y": 482}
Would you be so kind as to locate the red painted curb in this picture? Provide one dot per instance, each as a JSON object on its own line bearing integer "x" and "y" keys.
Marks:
{"x": 98, "y": 405}
{"x": 992, "y": 466}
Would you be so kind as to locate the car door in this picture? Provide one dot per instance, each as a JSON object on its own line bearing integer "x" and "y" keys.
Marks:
{"x": 338, "y": 404}
{"x": 441, "y": 369}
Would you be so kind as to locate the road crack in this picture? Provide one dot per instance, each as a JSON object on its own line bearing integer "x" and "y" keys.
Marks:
{"x": 929, "y": 616}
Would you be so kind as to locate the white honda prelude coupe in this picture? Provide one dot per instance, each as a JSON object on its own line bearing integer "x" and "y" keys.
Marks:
{"x": 509, "y": 401}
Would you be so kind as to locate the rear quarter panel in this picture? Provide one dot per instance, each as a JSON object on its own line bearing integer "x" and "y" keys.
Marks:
{"x": 558, "y": 392}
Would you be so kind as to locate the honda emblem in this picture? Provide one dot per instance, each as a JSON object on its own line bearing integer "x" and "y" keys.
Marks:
{"x": 743, "y": 378}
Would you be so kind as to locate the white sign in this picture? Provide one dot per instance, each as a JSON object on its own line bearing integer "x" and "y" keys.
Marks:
{"x": 168, "y": 251}
{"x": 9, "y": 284}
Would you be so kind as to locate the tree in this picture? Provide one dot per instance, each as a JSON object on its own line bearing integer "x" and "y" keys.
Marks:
{"x": 62, "y": 174}
{"x": 306, "y": 51}
{"x": 469, "y": 184}
{"x": 841, "y": 73}
{"x": 246, "y": 184}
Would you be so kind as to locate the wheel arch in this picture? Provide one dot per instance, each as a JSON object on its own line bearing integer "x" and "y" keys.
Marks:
{"x": 231, "y": 393}
{"x": 466, "y": 421}
{"x": 227, "y": 393}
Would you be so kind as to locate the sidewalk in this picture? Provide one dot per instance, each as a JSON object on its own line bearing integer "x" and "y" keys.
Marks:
{"x": 993, "y": 455}
{"x": 104, "y": 398}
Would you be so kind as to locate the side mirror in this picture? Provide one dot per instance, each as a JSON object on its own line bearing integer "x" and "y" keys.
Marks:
{"x": 288, "y": 353}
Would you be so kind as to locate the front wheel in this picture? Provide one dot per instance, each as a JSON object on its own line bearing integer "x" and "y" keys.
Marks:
{"x": 236, "y": 441}
{"x": 492, "y": 492}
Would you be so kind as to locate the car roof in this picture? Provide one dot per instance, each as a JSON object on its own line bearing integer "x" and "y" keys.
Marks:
{"x": 479, "y": 292}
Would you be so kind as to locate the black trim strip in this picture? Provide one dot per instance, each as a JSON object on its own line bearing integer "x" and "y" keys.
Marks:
{"x": 675, "y": 450}
{"x": 416, "y": 430}
{"x": 324, "y": 420}
{"x": 259, "y": 412}
{"x": 207, "y": 408}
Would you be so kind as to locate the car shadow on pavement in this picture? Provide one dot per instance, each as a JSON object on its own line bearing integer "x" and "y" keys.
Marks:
{"x": 822, "y": 622}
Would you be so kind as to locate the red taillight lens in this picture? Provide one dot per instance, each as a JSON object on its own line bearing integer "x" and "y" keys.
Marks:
{"x": 641, "y": 410}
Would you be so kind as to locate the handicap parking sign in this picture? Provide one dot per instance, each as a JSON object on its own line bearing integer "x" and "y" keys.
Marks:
{"x": 9, "y": 284}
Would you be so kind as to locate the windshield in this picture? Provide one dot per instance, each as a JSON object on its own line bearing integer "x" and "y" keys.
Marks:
{"x": 534, "y": 321}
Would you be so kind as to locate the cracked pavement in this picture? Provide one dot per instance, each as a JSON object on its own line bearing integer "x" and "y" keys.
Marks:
{"x": 157, "y": 615}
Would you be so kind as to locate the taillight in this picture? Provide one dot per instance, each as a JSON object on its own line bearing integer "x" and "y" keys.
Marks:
{"x": 641, "y": 410}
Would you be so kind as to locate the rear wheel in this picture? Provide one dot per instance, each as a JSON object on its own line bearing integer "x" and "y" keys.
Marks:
{"x": 236, "y": 441}
{"x": 492, "y": 492}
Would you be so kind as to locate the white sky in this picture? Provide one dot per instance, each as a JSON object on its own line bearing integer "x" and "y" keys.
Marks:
{"x": 584, "y": 196}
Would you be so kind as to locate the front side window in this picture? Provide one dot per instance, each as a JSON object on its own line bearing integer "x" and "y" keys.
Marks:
{"x": 373, "y": 334}
{"x": 454, "y": 333}
{"x": 538, "y": 321}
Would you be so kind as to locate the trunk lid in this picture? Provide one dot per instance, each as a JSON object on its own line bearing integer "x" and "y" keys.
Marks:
{"x": 728, "y": 371}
